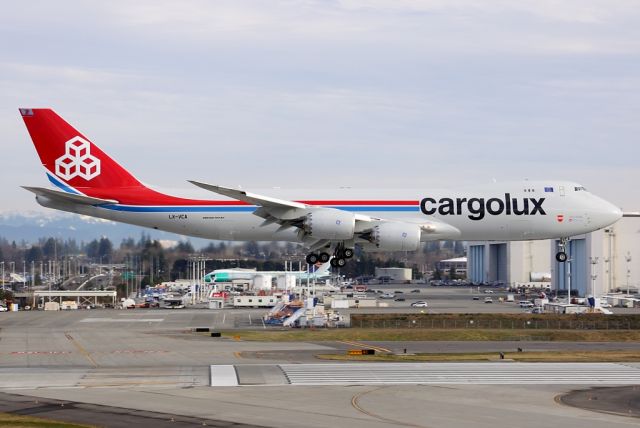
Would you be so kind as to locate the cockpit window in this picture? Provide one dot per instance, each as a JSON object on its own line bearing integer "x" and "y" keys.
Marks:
{"x": 580, "y": 189}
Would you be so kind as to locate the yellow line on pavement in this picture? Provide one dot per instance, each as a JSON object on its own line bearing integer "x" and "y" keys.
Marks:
{"x": 365, "y": 346}
{"x": 81, "y": 350}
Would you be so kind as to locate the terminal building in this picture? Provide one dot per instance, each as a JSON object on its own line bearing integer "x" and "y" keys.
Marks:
{"x": 600, "y": 262}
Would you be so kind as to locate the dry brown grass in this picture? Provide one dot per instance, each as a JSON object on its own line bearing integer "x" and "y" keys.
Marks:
{"x": 366, "y": 334}
{"x": 552, "y": 356}
{"x": 16, "y": 421}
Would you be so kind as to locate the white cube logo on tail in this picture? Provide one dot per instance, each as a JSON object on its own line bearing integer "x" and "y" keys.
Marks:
{"x": 77, "y": 161}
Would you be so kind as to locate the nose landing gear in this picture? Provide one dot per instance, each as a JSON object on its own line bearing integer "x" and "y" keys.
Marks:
{"x": 561, "y": 255}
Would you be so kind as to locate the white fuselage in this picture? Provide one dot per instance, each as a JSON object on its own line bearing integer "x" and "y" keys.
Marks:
{"x": 508, "y": 211}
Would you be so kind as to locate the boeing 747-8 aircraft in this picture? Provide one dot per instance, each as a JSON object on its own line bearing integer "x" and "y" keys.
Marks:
{"x": 329, "y": 223}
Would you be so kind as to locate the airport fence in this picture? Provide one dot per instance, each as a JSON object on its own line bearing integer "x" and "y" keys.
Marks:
{"x": 497, "y": 321}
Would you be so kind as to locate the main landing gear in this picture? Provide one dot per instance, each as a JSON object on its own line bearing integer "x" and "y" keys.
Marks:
{"x": 340, "y": 256}
{"x": 561, "y": 255}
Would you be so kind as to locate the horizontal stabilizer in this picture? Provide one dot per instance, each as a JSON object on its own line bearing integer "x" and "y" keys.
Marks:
{"x": 69, "y": 197}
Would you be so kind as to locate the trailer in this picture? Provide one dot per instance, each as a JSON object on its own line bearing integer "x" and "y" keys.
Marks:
{"x": 256, "y": 301}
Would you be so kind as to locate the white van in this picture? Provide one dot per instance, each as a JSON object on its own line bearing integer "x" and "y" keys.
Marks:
{"x": 526, "y": 304}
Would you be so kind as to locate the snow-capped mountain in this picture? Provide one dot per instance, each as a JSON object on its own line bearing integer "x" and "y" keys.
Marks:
{"x": 30, "y": 226}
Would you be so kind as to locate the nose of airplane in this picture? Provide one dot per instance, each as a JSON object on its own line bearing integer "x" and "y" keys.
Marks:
{"x": 609, "y": 214}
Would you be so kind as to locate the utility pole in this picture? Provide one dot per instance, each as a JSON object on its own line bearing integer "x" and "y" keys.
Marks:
{"x": 628, "y": 259}
{"x": 2, "y": 276}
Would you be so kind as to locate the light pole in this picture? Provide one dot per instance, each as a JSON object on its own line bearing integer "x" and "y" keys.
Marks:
{"x": 2, "y": 276}
{"x": 606, "y": 274}
{"x": 594, "y": 262}
{"x": 628, "y": 259}
{"x": 569, "y": 281}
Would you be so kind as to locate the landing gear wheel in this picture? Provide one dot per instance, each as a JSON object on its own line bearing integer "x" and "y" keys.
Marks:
{"x": 324, "y": 257}
{"x": 337, "y": 263}
{"x": 561, "y": 256}
{"x": 347, "y": 253}
{"x": 312, "y": 258}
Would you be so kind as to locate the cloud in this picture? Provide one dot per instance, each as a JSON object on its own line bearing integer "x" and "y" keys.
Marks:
{"x": 261, "y": 93}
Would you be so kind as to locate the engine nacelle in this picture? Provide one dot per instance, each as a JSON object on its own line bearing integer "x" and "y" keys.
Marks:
{"x": 329, "y": 223}
{"x": 392, "y": 236}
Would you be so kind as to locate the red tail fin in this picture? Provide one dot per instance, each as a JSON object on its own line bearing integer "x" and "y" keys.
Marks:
{"x": 70, "y": 157}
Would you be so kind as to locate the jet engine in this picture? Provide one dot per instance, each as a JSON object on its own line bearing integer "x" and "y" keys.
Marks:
{"x": 392, "y": 236}
{"x": 329, "y": 223}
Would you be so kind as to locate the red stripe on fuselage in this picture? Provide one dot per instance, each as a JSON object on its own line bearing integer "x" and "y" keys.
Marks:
{"x": 145, "y": 196}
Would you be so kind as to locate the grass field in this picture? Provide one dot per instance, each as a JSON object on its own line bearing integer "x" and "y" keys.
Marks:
{"x": 318, "y": 335}
{"x": 15, "y": 421}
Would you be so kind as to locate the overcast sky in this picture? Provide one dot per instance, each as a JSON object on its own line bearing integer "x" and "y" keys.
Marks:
{"x": 386, "y": 93}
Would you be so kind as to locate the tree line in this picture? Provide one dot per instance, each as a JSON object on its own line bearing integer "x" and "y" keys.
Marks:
{"x": 164, "y": 260}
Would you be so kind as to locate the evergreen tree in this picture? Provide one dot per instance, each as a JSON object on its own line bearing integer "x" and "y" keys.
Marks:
{"x": 105, "y": 248}
{"x": 33, "y": 254}
{"x": 49, "y": 248}
{"x": 91, "y": 249}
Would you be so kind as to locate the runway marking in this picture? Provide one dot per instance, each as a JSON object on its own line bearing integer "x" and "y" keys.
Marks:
{"x": 498, "y": 373}
{"x": 223, "y": 375}
{"x": 138, "y": 351}
{"x": 38, "y": 352}
{"x": 355, "y": 402}
{"x": 82, "y": 350}
{"x": 121, "y": 320}
{"x": 365, "y": 346}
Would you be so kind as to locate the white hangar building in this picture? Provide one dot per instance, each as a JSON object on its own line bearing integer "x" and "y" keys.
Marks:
{"x": 611, "y": 255}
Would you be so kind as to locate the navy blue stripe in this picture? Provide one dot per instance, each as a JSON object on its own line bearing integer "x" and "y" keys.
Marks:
{"x": 61, "y": 185}
{"x": 377, "y": 208}
{"x": 242, "y": 209}
{"x": 176, "y": 209}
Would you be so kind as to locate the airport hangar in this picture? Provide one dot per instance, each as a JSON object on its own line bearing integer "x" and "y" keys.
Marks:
{"x": 611, "y": 255}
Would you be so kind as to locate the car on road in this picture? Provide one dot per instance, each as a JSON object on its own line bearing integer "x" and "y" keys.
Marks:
{"x": 419, "y": 304}
{"x": 3, "y": 309}
{"x": 488, "y": 300}
{"x": 476, "y": 297}
{"x": 387, "y": 296}
{"x": 400, "y": 299}
{"x": 488, "y": 291}
{"x": 415, "y": 290}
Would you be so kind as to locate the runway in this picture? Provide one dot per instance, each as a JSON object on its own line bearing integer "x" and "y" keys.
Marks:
{"x": 152, "y": 362}
{"x": 490, "y": 373}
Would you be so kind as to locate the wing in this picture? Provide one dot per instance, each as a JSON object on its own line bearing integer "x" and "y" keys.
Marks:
{"x": 317, "y": 226}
